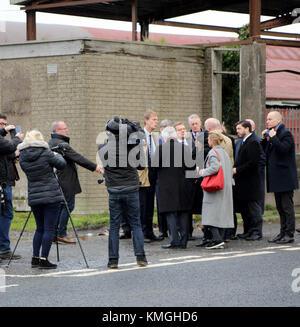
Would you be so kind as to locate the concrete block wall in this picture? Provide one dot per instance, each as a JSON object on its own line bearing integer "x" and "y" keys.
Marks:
{"x": 95, "y": 80}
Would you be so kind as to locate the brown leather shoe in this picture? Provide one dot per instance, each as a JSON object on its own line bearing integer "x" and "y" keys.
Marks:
{"x": 65, "y": 240}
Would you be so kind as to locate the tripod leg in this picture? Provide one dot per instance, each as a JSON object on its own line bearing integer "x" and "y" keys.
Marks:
{"x": 19, "y": 238}
{"x": 77, "y": 238}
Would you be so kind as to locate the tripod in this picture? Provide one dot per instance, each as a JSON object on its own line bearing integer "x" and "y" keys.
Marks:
{"x": 75, "y": 232}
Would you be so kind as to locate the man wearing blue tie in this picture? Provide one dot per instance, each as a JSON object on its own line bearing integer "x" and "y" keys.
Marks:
{"x": 147, "y": 189}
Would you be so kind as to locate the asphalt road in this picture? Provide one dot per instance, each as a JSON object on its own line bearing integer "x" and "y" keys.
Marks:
{"x": 251, "y": 274}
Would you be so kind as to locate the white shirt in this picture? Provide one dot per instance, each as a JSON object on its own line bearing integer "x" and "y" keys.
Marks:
{"x": 152, "y": 147}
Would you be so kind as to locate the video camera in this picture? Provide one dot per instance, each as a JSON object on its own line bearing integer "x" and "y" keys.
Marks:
{"x": 134, "y": 131}
{"x": 60, "y": 148}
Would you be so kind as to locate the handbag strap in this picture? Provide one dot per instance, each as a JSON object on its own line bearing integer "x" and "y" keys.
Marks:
{"x": 217, "y": 155}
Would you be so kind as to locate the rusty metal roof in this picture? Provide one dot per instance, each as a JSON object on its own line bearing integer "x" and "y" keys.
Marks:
{"x": 155, "y": 10}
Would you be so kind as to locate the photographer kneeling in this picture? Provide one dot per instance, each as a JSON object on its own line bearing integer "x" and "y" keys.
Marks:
{"x": 121, "y": 156}
{"x": 44, "y": 195}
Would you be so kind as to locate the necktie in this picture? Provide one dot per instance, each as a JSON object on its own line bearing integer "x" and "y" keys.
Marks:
{"x": 150, "y": 145}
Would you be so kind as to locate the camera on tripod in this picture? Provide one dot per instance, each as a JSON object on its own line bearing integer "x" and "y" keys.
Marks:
{"x": 60, "y": 148}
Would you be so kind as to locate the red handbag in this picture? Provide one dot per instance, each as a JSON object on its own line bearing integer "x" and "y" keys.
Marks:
{"x": 214, "y": 182}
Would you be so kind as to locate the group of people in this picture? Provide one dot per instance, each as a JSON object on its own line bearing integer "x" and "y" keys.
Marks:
{"x": 169, "y": 166}
{"x": 47, "y": 192}
{"x": 178, "y": 190}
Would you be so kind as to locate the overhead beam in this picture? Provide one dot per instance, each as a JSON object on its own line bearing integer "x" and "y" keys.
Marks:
{"x": 276, "y": 22}
{"x": 255, "y": 12}
{"x": 198, "y": 26}
{"x": 65, "y": 4}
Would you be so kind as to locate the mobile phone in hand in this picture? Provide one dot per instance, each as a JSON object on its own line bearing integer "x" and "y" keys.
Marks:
{"x": 18, "y": 129}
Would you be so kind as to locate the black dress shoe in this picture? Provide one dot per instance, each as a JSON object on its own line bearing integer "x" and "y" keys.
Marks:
{"x": 276, "y": 238}
{"x": 169, "y": 246}
{"x": 243, "y": 236}
{"x": 125, "y": 236}
{"x": 253, "y": 237}
{"x": 298, "y": 230}
{"x": 156, "y": 238}
{"x": 203, "y": 242}
{"x": 286, "y": 239}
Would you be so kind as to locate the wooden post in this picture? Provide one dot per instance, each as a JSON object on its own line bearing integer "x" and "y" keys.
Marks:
{"x": 255, "y": 12}
{"x": 30, "y": 25}
{"x": 134, "y": 15}
{"x": 144, "y": 30}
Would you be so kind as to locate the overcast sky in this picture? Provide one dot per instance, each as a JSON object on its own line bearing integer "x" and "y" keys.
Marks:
{"x": 13, "y": 13}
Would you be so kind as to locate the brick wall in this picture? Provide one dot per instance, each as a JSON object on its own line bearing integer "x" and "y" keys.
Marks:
{"x": 101, "y": 80}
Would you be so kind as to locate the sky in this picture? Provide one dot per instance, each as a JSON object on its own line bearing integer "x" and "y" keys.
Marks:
{"x": 13, "y": 13}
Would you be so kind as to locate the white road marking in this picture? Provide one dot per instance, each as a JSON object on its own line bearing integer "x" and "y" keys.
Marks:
{"x": 7, "y": 286}
{"x": 163, "y": 263}
{"x": 292, "y": 249}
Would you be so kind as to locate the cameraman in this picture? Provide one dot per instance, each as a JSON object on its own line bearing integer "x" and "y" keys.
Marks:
{"x": 68, "y": 177}
{"x": 121, "y": 156}
{"x": 7, "y": 180}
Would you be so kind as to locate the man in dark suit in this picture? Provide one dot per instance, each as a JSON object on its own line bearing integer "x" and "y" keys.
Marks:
{"x": 247, "y": 189}
{"x": 147, "y": 193}
{"x": 173, "y": 159}
{"x": 278, "y": 143}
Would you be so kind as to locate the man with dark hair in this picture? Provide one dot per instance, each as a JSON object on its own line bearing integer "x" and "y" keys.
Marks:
{"x": 247, "y": 189}
{"x": 7, "y": 180}
{"x": 278, "y": 143}
{"x": 122, "y": 182}
{"x": 68, "y": 177}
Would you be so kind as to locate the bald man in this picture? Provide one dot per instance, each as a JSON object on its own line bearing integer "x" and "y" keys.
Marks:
{"x": 279, "y": 146}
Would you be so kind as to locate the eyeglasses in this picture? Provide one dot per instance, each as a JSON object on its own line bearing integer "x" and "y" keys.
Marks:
{"x": 4, "y": 124}
{"x": 63, "y": 129}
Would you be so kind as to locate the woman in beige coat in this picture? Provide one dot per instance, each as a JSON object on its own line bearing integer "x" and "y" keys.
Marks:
{"x": 217, "y": 210}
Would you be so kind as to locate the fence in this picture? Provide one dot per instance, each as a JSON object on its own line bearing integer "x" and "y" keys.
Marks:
{"x": 290, "y": 118}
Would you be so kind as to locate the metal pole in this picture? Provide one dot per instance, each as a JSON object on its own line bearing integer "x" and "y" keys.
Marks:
{"x": 134, "y": 17}
{"x": 30, "y": 25}
{"x": 255, "y": 12}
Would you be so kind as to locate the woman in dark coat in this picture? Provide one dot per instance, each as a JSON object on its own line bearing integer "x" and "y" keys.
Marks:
{"x": 44, "y": 194}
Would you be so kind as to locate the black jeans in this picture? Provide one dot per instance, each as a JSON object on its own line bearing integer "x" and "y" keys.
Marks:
{"x": 285, "y": 207}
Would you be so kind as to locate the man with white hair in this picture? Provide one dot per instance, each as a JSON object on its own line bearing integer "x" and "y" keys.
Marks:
{"x": 278, "y": 143}
{"x": 172, "y": 160}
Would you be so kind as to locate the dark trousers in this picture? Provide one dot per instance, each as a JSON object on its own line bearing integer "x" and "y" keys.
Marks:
{"x": 285, "y": 207}
{"x": 64, "y": 215}
{"x": 125, "y": 223}
{"x": 178, "y": 225}
{"x": 217, "y": 234}
{"x": 147, "y": 195}
{"x": 252, "y": 217}
{"x": 117, "y": 203}
{"x": 161, "y": 218}
{"x": 45, "y": 217}
{"x": 6, "y": 216}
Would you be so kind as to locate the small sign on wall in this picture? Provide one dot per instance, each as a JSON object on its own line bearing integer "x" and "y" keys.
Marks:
{"x": 52, "y": 69}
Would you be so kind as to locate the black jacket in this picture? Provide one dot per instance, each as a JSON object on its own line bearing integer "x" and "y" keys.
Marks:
{"x": 120, "y": 168}
{"x": 281, "y": 161}
{"x": 68, "y": 177}
{"x": 7, "y": 156}
{"x": 174, "y": 189}
{"x": 247, "y": 178}
{"x": 38, "y": 161}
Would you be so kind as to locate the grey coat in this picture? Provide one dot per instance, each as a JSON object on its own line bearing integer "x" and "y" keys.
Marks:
{"x": 217, "y": 207}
